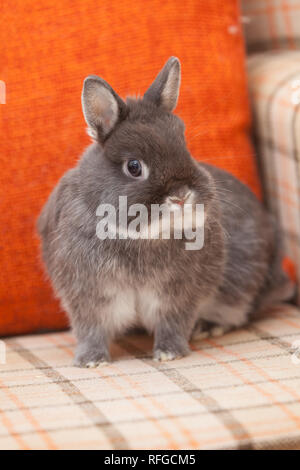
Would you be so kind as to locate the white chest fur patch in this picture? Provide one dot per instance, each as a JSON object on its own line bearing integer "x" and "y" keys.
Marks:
{"x": 122, "y": 312}
{"x": 129, "y": 307}
{"x": 148, "y": 304}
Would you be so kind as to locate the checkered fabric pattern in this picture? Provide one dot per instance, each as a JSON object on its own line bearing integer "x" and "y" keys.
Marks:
{"x": 274, "y": 80}
{"x": 235, "y": 392}
{"x": 271, "y": 24}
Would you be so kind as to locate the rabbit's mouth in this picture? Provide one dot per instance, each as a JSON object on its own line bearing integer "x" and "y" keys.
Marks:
{"x": 178, "y": 201}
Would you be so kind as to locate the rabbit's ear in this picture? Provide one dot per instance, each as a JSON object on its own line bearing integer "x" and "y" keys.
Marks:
{"x": 102, "y": 107}
{"x": 164, "y": 90}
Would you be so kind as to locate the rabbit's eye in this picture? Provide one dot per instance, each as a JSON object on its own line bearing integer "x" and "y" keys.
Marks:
{"x": 134, "y": 168}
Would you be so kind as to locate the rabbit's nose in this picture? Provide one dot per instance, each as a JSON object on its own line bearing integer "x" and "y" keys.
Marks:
{"x": 181, "y": 197}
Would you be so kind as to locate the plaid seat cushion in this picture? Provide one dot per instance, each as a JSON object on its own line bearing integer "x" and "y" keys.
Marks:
{"x": 271, "y": 24}
{"x": 238, "y": 391}
{"x": 274, "y": 80}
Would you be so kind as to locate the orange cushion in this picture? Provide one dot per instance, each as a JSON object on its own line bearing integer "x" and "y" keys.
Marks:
{"x": 47, "y": 48}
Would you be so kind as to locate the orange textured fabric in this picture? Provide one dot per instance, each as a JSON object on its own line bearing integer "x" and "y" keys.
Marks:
{"x": 46, "y": 50}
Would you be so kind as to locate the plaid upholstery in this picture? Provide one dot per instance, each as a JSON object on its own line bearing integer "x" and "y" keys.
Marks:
{"x": 238, "y": 391}
{"x": 274, "y": 79}
{"x": 271, "y": 24}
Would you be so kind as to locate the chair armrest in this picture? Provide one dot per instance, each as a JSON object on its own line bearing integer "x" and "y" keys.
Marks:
{"x": 274, "y": 82}
{"x": 271, "y": 24}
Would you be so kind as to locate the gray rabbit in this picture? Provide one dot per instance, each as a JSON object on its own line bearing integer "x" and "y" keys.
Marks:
{"x": 110, "y": 285}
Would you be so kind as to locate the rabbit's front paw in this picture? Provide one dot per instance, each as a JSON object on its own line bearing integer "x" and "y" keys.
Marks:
{"x": 162, "y": 356}
{"x": 164, "y": 353}
{"x": 169, "y": 343}
{"x": 90, "y": 357}
{"x": 82, "y": 362}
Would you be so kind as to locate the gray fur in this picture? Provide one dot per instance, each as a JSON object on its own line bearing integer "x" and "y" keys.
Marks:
{"x": 108, "y": 286}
